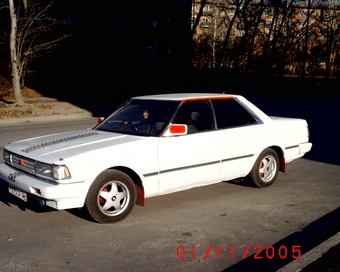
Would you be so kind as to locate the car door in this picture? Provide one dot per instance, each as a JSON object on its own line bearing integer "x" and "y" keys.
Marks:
{"x": 239, "y": 135}
{"x": 193, "y": 159}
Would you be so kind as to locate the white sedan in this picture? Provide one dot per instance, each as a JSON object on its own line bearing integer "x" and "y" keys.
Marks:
{"x": 153, "y": 145}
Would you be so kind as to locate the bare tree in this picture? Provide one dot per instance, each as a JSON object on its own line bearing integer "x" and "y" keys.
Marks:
{"x": 239, "y": 6}
{"x": 265, "y": 37}
{"x": 31, "y": 34}
{"x": 210, "y": 34}
{"x": 15, "y": 63}
{"x": 198, "y": 17}
{"x": 330, "y": 35}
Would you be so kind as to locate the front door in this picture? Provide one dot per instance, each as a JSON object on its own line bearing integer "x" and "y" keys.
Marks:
{"x": 193, "y": 159}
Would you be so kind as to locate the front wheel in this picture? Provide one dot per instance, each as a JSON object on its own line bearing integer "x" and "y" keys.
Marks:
{"x": 265, "y": 169}
{"x": 111, "y": 197}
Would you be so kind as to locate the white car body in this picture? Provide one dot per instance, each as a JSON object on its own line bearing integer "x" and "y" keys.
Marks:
{"x": 158, "y": 165}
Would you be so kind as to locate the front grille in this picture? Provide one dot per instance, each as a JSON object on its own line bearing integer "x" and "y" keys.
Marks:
{"x": 23, "y": 163}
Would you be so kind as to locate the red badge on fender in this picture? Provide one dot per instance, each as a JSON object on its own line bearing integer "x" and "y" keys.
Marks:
{"x": 21, "y": 162}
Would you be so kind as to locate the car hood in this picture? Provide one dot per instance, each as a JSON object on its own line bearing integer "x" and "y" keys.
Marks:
{"x": 61, "y": 146}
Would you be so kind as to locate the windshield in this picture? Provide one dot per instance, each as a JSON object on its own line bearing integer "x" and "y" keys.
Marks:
{"x": 140, "y": 117}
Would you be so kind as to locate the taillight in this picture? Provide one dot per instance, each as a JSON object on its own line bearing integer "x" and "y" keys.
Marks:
{"x": 308, "y": 132}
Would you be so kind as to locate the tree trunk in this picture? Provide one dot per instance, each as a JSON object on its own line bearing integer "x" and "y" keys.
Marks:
{"x": 305, "y": 47}
{"x": 25, "y": 4}
{"x": 14, "y": 60}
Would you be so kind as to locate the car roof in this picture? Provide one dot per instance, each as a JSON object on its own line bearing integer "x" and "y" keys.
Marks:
{"x": 184, "y": 96}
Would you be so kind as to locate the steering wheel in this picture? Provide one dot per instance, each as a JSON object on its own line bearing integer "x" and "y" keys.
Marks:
{"x": 125, "y": 124}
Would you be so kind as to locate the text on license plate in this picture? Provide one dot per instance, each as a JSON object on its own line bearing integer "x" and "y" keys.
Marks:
{"x": 18, "y": 193}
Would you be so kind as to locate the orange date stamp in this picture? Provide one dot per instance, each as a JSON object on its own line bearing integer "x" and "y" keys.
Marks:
{"x": 258, "y": 252}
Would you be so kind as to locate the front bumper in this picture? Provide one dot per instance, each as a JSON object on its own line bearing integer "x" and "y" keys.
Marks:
{"x": 57, "y": 196}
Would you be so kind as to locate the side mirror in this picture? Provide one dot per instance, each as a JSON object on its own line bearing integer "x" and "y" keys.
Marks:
{"x": 176, "y": 130}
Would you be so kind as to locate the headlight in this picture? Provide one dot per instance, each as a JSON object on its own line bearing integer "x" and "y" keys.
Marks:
{"x": 6, "y": 155}
{"x": 61, "y": 172}
{"x": 57, "y": 172}
{"x": 43, "y": 169}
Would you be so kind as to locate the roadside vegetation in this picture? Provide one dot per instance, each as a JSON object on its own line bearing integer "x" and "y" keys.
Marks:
{"x": 63, "y": 48}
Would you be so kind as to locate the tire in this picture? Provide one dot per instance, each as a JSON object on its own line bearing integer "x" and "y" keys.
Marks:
{"x": 265, "y": 169}
{"x": 111, "y": 197}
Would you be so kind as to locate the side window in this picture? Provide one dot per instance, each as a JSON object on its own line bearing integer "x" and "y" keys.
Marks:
{"x": 229, "y": 113}
{"x": 196, "y": 115}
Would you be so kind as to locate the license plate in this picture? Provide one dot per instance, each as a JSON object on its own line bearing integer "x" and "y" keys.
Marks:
{"x": 18, "y": 193}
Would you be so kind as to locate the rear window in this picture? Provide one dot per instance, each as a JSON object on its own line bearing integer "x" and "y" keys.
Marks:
{"x": 229, "y": 113}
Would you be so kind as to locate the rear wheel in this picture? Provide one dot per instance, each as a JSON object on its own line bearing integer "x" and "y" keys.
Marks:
{"x": 111, "y": 197}
{"x": 265, "y": 169}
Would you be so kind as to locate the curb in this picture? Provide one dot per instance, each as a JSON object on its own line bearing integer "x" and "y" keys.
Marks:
{"x": 29, "y": 119}
{"x": 311, "y": 255}
{"x": 11, "y": 120}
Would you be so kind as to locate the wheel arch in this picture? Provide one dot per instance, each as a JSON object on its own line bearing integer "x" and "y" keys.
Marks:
{"x": 137, "y": 181}
{"x": 279, "y": 152}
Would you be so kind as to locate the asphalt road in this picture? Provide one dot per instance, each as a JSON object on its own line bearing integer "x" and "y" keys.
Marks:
{"x": 222, "y": 227}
